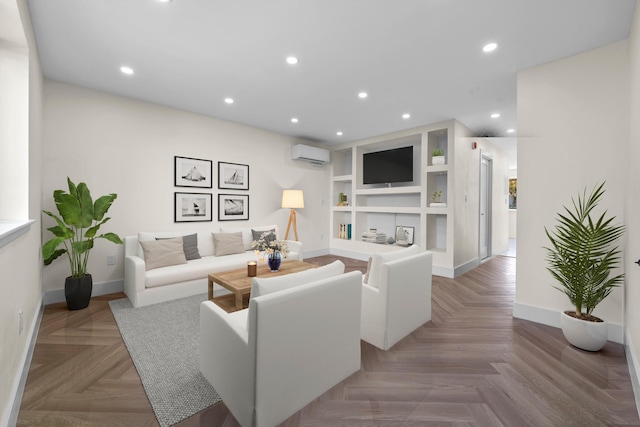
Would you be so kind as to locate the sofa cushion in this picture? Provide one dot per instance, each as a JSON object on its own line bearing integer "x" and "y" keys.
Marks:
{"x": 227, "y": 243}
{"x": 378, "y": 259}
{"x": 190, "y": 245}
{"x": 197, "y": 269}
{"x": 162, "y": 253}
{"x": 247, "y": 235}
{"x": 262, "y": 286}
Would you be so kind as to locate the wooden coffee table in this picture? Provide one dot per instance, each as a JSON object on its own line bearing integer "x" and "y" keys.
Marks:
{"x": 239, "y": 283}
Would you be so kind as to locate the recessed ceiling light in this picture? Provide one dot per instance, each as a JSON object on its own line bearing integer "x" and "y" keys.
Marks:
{"x": 363, "y": 95}
{"x": 339, "y": 133}
{"x": 490, "y": 47}
{"x": 228, "y": 100}
{"x": 495, "y": 115}
{"x": 511, "y": 130}
{"x": 126, "y": 70}
{"x": 406, "y": 115}
{"x": 164, "y": 1}
{"x": 292, "y": 60}
{"x": 294, "y": 120}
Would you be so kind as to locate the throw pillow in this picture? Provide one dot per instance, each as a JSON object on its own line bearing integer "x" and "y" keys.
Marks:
{"x": 378, "y": 259}
{"x": 268, "y": 238}
{"x": 190, "y": 245}
{"x": 162, "y": 253}
{"x": 227, "y": 243}
{"x": 262, "y": 286}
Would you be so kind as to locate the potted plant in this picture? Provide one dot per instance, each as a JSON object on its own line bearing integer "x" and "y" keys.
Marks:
{"x": 436, "y": 198}
{"x": 581, "y": 257}
{"x": 77, "y": 226}
{"x": 437, "y": 157}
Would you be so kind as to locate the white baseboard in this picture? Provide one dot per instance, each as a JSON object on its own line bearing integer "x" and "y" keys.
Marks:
{"x": 634, "y": 368}
{"x": 443, "y": 271}
{"x": 551, "y": 317}
{"x": 19, "y": 382}
{"x": 314, "y": 253}
{"x": 349, "y": 254}
{"x": 104, "y": 288}
{"x": 468, "y": 266}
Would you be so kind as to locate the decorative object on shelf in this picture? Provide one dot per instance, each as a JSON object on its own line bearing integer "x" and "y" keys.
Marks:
{"x": 513, "y": 193}
{"x": 581, "y": 258}
{"x": 391, "y": 240}
{"x": 292, "y": 199}
{"x": 233, "y": 207}
{"x": 233, "y": 176}
{"x": 78, "y": 223}
{"x": 438, "y": 157}
{"x": 404, "y": 235}
{"x": 436, "y": 203}
{"x": 372, "y": 236}
{"x": 342, "y": 200}
{"x": 192, "y": 207}
{"x": 189, "y": 172}
{"x": 252, "y": 268}
{"x": 273, "y": 250}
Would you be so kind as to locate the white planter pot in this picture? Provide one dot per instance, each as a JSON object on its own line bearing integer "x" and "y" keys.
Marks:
{"x": 590, "y": 336}
{"x": 438, "y": 160}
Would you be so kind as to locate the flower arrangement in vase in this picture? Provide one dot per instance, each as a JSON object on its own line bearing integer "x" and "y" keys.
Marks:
{"x": 269, "y": 248}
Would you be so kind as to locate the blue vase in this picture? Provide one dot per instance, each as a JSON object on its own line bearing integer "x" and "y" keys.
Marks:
{"x": 274, "y": 261}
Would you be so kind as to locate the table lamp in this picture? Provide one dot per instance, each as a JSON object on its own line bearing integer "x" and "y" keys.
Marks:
{"x": 292, "y": 199}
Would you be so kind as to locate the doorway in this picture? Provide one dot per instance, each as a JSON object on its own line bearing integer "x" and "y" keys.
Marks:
{"x": 486, "y": 178}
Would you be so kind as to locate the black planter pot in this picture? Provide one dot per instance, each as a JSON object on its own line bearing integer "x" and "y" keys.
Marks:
{"x": 77, "y": 291}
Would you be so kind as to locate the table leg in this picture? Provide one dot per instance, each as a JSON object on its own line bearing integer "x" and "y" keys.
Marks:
{"x": 210, "y": 289}
{"x": 239, "y": 301}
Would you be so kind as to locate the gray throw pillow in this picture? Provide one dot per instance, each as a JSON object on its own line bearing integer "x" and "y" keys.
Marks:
{"x": 190, "y": 246}
{"x": 270, "y": 237}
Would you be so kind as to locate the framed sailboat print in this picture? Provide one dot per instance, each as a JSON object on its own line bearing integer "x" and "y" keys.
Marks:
{"x": 233, "y": 207}
{"x": 192, "y": 207}
{"x": 233, "y": 176}
{"x": 191, "y": 172}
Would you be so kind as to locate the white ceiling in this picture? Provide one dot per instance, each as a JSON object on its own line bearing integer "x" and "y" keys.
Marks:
{"x": 422, "y": 57}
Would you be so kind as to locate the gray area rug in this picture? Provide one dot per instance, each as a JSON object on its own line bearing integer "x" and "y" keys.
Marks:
{"x": 163, "y": 341}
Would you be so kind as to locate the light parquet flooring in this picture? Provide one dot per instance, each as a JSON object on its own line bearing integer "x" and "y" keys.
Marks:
{"x": 472, "y": 365}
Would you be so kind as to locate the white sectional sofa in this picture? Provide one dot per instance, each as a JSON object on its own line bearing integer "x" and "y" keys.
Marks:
{"x": 145, "y": 286}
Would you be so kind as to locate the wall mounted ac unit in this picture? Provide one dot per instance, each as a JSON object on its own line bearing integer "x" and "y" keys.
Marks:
{"x": 317, "y": 156}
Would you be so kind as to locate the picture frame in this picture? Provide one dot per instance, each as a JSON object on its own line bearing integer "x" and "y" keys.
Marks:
{"x": 190, "y": 172}
{"x": 410, "y": 231}
{"x": 192, "y": 207}
{"x": 233, "y": 176}
{"x": 233, "y": 207}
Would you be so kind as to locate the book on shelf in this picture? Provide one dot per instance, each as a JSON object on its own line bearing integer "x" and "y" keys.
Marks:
{"x": 344, "y": 231}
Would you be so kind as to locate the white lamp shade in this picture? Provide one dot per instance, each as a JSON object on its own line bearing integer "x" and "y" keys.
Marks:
{"x": 293, "y": 199}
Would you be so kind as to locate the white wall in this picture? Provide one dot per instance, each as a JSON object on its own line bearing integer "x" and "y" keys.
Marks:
{"x": 20, "y": 287}
{"x": 573, "y": 127}
{"x": 632, "y": 213}
{"x": 467, "y": 190}
{"x": 123, "y": 146}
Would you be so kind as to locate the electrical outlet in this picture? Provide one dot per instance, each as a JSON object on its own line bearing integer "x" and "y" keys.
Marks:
{"x": 21, "y": 322}
{"x": 111, "y": 259}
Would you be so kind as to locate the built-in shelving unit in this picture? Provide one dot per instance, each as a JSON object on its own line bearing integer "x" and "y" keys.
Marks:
{"x": 385, "y": 207}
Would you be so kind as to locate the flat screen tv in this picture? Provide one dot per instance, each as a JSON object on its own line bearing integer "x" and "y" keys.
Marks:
{"x": 388, "y": 166}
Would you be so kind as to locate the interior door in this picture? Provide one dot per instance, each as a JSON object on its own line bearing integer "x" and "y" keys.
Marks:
{"x": 486, "y": 166}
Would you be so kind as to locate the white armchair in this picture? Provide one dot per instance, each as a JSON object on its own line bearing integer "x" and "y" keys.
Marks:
{"x": 397, "y": 298}
{"x": 289, "y": 347}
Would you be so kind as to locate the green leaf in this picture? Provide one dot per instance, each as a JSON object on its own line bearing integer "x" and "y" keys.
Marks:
{"x": 82, "y": 246}
{"x": 69, "y": 208}
{"x": 102, "y": 205}
{"x": 86, "y": 205}
{"x": 49, "y": 248}
{"x": 72, "y": 188}
{"x": 112, "y": 237}
{"x": 54, "y": 255}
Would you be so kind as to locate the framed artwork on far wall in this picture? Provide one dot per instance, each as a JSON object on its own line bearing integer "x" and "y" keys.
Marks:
{"x": 233, "y": 207}
{"x": 189, "y": 172}
{"x": 192, "y": 207}
{"x": 233, "y": 176}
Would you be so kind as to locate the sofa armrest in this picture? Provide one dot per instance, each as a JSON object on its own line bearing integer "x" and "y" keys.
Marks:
{"x": 134, "y": 277}
{"x": 227, "y": 360}
{"x": 295, "y": 246}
